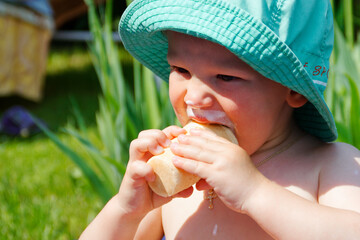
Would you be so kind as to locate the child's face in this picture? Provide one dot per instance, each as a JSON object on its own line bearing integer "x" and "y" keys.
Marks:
{"x": 209, "y": 84}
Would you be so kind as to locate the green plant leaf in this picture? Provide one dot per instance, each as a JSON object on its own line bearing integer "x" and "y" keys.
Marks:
{"x": 354, "y": 112}
{"x": 93, "y": 178}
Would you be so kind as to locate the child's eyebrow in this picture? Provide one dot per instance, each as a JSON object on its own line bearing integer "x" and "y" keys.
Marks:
{"x": 172, "y": 57}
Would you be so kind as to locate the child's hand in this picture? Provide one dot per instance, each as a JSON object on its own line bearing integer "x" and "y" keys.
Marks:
{"x": 135, "y": 197}
{"x": 222, "y": 165}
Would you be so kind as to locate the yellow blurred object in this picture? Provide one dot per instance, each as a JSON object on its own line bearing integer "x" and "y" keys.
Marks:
{"x": 24, "y": 42}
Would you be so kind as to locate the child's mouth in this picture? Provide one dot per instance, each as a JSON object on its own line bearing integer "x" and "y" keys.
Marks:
{"x": 209, "y": 117}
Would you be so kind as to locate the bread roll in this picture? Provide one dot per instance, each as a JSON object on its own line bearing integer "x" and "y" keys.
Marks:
{"x": 171, "y": 180}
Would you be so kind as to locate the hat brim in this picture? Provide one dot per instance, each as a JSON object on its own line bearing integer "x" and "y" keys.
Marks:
{"x": 141, "y": 29}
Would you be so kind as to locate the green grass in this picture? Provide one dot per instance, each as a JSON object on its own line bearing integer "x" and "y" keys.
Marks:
{"x": 43, "y": 195}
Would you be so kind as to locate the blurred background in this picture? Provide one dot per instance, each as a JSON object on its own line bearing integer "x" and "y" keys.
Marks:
{"x": 72, "y": 99}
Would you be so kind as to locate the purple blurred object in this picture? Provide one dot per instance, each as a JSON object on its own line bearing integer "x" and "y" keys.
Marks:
{"x": 17, "y": 121}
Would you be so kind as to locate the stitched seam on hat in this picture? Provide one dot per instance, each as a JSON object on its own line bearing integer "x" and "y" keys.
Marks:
{"x": 276, "y": 16}
{"x": 310, "y": 53}
{"x": 215, "y": 32}
{"x": 134, "y": 8}
{"x": 238, "y": 45}
{"x": 231, "y": 10}
{"x": 325, "y": 34}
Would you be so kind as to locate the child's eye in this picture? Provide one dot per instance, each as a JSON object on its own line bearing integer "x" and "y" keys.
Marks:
{"x": 178, "y": 69}
{"x": 226, "y": 78}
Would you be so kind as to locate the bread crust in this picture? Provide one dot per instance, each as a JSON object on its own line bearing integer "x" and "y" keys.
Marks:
{"x": 170, "y": 180}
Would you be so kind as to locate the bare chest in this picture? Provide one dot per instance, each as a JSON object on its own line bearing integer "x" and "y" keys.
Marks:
{"x": 197, "y": 221}
{"x": 192, "y": 219}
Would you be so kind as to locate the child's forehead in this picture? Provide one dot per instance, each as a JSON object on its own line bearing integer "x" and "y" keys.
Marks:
{"x": 181, "y": 44}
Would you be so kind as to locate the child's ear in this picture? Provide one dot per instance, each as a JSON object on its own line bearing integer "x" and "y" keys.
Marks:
{"x": 295, "y": 100}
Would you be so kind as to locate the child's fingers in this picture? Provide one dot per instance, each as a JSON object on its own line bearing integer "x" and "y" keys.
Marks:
{"x": 190, "y": 166}
{"x": 159, "y": 201}
{"x": 153, "y": 141}
{"x": 195, "y": 148}
{"x": 157, "y": 135}
{"x": 185, "y": 193}
{"x": 139, "y": 147}
{"x": 202, "y": 185}
{"x": 140, "y": 169}
{"x": 173, "y": 131}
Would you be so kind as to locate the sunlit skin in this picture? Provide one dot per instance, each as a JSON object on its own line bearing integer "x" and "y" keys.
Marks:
{"x": 212, "y": 78}
{"x": 207, "y": 76}
{"x": 310, "y": 191}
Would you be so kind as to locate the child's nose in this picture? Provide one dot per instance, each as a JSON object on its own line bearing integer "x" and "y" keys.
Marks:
{"x": 198, "y": 94}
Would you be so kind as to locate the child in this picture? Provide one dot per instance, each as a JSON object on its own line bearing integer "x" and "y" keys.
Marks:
{"x": 259, "y": 67}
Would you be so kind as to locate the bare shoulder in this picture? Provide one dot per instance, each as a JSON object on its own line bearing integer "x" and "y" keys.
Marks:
{"x": 339, "y": 178}
{"x": 151, "y": 226}
{"x": 339, "y": 160}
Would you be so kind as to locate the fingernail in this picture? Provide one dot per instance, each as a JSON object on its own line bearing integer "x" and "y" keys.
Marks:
{"x": 159, "y": 150}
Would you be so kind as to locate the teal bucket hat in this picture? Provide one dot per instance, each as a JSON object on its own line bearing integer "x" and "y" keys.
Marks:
{"x": 287, "y": 41}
